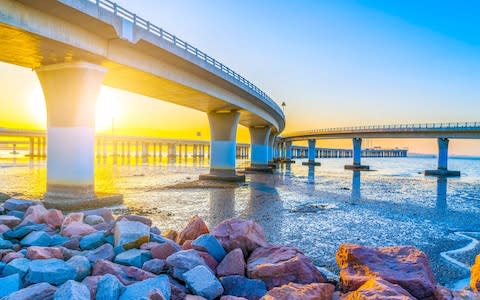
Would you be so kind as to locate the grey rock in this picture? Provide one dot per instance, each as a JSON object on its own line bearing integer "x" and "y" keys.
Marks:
{"x": 93, "y": 220}
{"x": 133, "y": 257}
{"x": 155, "y": 266}
{"x": 43, "y": 291}
{"x": 109, "y": 287}
{"x": 82, "y": 266}
{"x": 202, "y": 282}
{"x": 19, "y": 204}
{"x": 103, "y": 252}
{"x": 131, "y": 234}
{"x": 142, "y": 289}
{"x": 72, "y": 290}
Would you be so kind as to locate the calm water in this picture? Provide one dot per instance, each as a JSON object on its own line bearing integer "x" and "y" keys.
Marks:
{"x": 315, "y": 209}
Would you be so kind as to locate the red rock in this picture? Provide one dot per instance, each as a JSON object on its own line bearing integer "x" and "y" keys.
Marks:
{"x": 195, "y": 228}
{"x": 141, "y": 219}
{"x": 34, "y": 214}
{"x": 163, "y": 251}
{"x": 91, "y": 282}
{"x": 187, "y": 245}
{"x": 377, "y": 288}
{"x": 237, "y": 233}
{"x": 171, "y": 234}
{"x": 475, "y": 275}
{"x": 11, "y": 256}
{"x": 156, "y": 294}
{"x": 295, "y": 291}
{"x": 36, "y": 252}
{"x": 278, "y": 265}
{"x": 53, "y": 218}
{"x": 232, "y": 298}
{"x": 402, "y": 265}
{"x": 209, "y": 260}
{"x": 126, "y": 275}
{"x": 70, "y": 218}
{"x": 77, "y": 229}
{"x": 232, "y": 264}
{"x": 4, "y": 228}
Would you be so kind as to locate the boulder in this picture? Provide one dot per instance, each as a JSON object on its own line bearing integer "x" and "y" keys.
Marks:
{"x": 195, "y": 228}
{"x": 4, "y": 228}
{"x": 162, "y": 240}
{"x": 82, "y": 266}
{"x": 94, "y": 220}
{"x": 72, "y": 290}
{"x": 149, "y": 245}
{"x": 475, "y": 275}
{"x": 36, "y": 252}
{"x": 11, "y": 256}
{"x": 54, "y": 218}
{"x": 141, "y": 219}
{"x": 18, "y": 265}
{"x": 209, "y": 260}
{"x": 9, "y": 221}
{"x": 155, "y": 266}
{"x": 126, "y": 275}
{"x": 202, "y": 282}
{"x": 183, "y": 261}
{"x": 5, "y": 244}
{"x": 208, "y": 243}
{"x": 133, "y": 257}
{"x": 53, "y": 271}
{"x": 92, "y": 240}
{"x": 77, "y": 229}
{"x": 103, "y": 212}
{"x": 295, "y": 291}
{"x": 91, "y": 283}
{"x": 42, "y": 291}
{"x": 403, "y": 265}
{"x": 232, "y": 264}
{"x": 187, "y": 245}
{"x": 162, "y": 251}
{"x": 376, "y": 288}
{"x": 279, "y": 265}
{"x": 19, "y": 204}
{"x": 10, "y": 284}
{"x": 131, "y": 234}
{"x": 103, "y": 252}
{"x": 21, "y": 231}
{"x": 170, "y": 234}
{"x": 35, "y": 214}
{"x": 237, "y": 233}
{"x": 240, "y": 286}
{"x": 70, "y": 218}
{"x": 144, "y": 288}
{"x": 36, "y": 238}
{"x": 73, "y": 243}
{"x": 109, "y": 287}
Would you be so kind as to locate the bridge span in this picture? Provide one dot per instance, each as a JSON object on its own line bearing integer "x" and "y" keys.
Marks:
{"x": 443, "y": 132}
{"x": 75, "y": 46}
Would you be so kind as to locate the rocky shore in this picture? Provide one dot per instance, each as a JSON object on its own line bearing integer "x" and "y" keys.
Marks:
{"x": 46, "y": 254}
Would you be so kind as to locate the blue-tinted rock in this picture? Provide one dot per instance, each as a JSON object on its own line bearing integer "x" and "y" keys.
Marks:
{"x": 118, "y": 250}
{"x": 133, "y": 257}
{"x": 210, "y": 244}
{"x": 143, "y": 288}
{"x": 183, "y": 261}
{"x": 202, "y": 282}
{"x": 103, "y": 252}
{"x": 10, "y": 284}
{"x": 82, "y": 266}
{"x": 10, "y": 221}
{"x": 131, "y": 234}
{"x": 92, "y": 240}
{"x": 19, "y": 204}
{"x": 43, "y": 291}
{"x": 57, "y": 240}
{"x": 36, "y": 238}
{"x": 16, "y": 213}
{"x": 161, "y": 239}
{"x": 154, "y": 266}
{"x": 5, "y": 244}
{"x": 20, "y": 232}
{"x": 72, "y": 290}
{"x": 18, "y": 265}
{"x": 109, "y": 239}
{"x": 240, "y": 286}
{"x": 53, "y": 270}
{"x": 2, "y": 266}
{"x": 109, "y": 287}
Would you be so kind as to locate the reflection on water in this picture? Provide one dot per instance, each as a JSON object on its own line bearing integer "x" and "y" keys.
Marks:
{"x": 441, "y": 203}
{"x": 356, "y": 194}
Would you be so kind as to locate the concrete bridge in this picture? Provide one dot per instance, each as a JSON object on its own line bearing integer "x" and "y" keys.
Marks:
{"x": 75, "y": 46}
{"x": 443, "y": 132}
{"x": 302, "y": 152}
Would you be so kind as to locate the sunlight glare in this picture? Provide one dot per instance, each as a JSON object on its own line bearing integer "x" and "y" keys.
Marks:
{"x": 36, "y": 104}
{"x": 107, "y": 110}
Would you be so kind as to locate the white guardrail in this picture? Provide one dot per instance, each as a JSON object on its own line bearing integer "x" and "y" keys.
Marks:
{"x": 119, "y": 11}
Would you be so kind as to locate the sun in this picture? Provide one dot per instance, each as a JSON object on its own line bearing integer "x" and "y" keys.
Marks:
{"x": 37, "y": 107}
{"x": 107, "y": 110}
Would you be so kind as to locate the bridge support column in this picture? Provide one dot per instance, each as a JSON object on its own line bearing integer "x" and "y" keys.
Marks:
{"x": 260, "y": 142}
{"x": 71, "y": 91}
{"x": 311, "y": 154}
{"x": 288, "y": 152}
{"x": 223, "y": 132}
{"x": 442, "y": 169}
{"x": 31, "y": 147}
{"x": 357, "y": 157}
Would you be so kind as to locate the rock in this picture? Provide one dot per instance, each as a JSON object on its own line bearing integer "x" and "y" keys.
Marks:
{"x": 94, "y": 220}
{"x": 377, "y": 288}
{"x": 73, "y": 243}
{"x": 170, "y": 234}
{"x": 209, "y": 244}
{"x": 4, "y": 228}
{"x": 77, "y": 229}
{"x": 4, "y": 244}
{"x": 57, "y": 240}
{"x": 82, "y": 266}
{"x": 21, "y": 231}
{"x": 232, "y": 298}
{"x": 72, "y": 290}
{"x": 92, "y": 240}
{"x": 9, "y": 221}
{"x": 162, "y": 251}
{"x": 131, "y": 234}
{"x": 18, "y": 265}
{"x": 18, "y": 204}
{"x": 179, "y": 291}
{"x": 10, "y": 284}
{"x": 201, "y": 281}
{"x": 237, "y": 233}
{"x": 162, "y": 240}
{"x": 109, "y": 287}
{"x": 103, "y": 212}
{"x": 53, "y": 271}
{"x": 187, "y": 245}
{"x": 144, "y": 288}
{"x": 475, "y": 275}
{"x": 103, "y": 252}
{"x": 405, "y": 266}
{"x": 42, "y": 291}
{"x": 279, "y": 265}
{"x": 251, "y": 289}
{"x": 194, "y": 297}
{"x": 183, "y": 261}
{"x": 16, "y": 213}
{"x": 135, "y": 218}
{"x": 91, "y": 283}
{"x": 35, "y": 214}
{"x": 232, "y": 264}
{"x": 126, "y": 275}
{"x": 154, "y": 266}
{"x": 133, "y": 257}
{"x": 195, "y": 228}
{"x": 70, "y": 218}
{"x": 36, "y": 238}
{"x": 209, "y": 260}
{"x": 11, "y": 256}
{"x": 149, "y": 245}
{"x": 54, "y": 218}
{"x": 295, "y": 291}
{"x": 35, "y": 252}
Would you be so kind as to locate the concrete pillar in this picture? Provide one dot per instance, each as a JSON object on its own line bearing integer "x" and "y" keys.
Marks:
{"x": 186, "y": 151}
{"x": 39, "y": 146}
{"x": 223, "y": 132}
{"x": 31, "y": 147}
{"x": 260, "y": 139}
{"x": 104, "y": 148}
{"x": 288, "y": 151}
{"x": 442, "y": 168}
{"x": 311, "y": 153}
{"x": 128, "y": 149}
{"x": 160, "y": 150}
{"x": 194, "y": 151}
{"x": 357, "y": 156}
{"x": 71, "y": 91}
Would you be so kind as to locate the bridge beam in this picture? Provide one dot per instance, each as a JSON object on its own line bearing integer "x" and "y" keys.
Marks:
{"x": 442, "y": 168}
{"x": 357, "y": 157}
{"x": 223, "y": 132}
{"x": 311, "y": 154}
{"x": 71, "y": 91}
{"x": 260, "y": 143}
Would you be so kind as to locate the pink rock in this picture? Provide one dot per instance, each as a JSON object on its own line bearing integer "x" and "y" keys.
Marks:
{"x": 91, "y": 282}
{"x": 279, "y": 265}
{"x": 35, "y": 214}
{"x": 70, "y": 218}
{"x": 53, "y": 218}
{"x": 9, "y": 221}
{"x": 237, "y": 233}
{"x": 295, "y": 291}
{"x": 126, "y": 275}
{"x": 141, "y": 219}
{"x": 11, "y": 256}
{"x": 163, "y": 251}
{"x": 36, "y": 252}
{"x": 77, "y": 229}
{"x": 187, "y": 245}
{"x": 402, "y": 265}
{"x": 195, "y": 228}
{"x": 377, "y": 288}
{"x": 443, "y": 293}
{"x": 4, "y": 228}
{"x": 232, "y": 264}
{"x": 232, "y": 298}
{"x": 209, "y": 260}
{"x": 149, "y": 245}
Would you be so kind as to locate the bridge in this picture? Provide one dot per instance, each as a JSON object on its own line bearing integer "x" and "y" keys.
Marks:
{"x": 443, "y": 132}
{"x": 75, "y": 46}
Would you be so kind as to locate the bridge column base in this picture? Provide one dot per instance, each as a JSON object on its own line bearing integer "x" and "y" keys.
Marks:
{"x": 287, "y": 161}
{"x": 442, "y": 173}
{"x": 222, "y": 175}
{"x": 259, "y": 169}
{"x": 66, "y": 202}
{"x": 311, "y": 163}
{"x": 357, "y": 167}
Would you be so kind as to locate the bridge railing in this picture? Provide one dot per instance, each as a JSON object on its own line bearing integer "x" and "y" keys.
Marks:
{"x": 119, "y": 11}
{"x": 390, "y": 128}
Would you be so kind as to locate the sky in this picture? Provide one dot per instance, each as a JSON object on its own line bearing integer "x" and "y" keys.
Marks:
{"x": 334, "y": 63}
